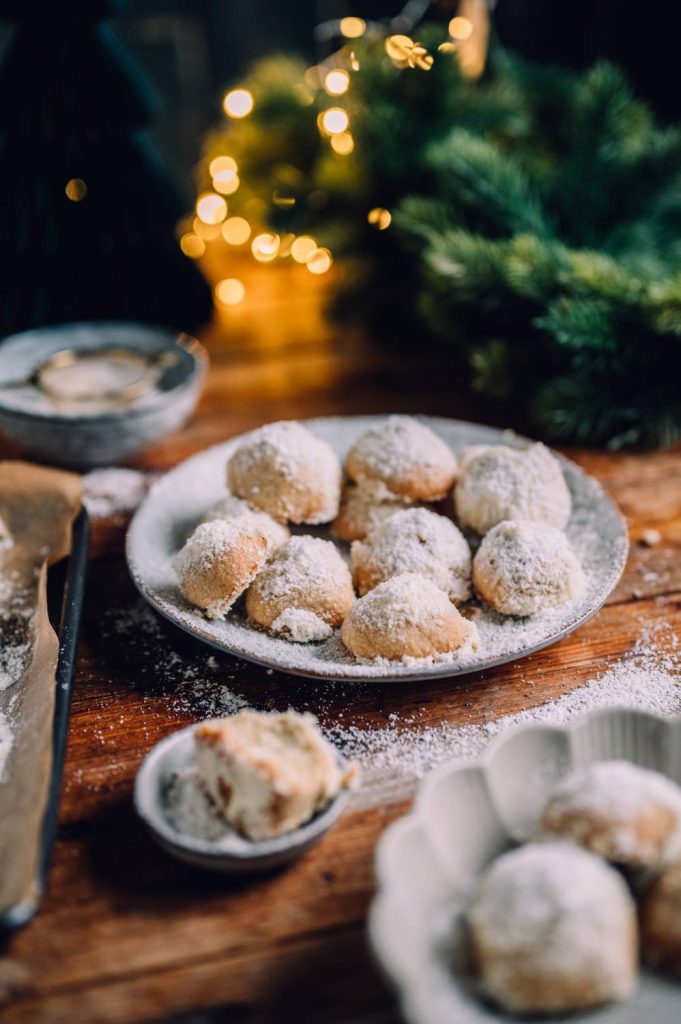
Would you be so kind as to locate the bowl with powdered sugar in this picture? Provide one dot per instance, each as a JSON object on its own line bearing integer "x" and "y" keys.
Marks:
{"x": 377, "y": 549}
{"x": 541, "y": 879}
{"x": 93, "y": 394}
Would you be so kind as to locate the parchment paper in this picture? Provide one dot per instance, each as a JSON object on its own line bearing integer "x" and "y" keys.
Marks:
{"x": 38, "y": 506}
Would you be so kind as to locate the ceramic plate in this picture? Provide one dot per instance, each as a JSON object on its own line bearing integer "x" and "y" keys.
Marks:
{"x": 178, "y": 500}
{"x": 467, "y": 814}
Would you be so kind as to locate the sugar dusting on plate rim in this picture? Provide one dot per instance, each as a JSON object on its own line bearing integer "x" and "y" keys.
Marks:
{"x": 177, "y": 501}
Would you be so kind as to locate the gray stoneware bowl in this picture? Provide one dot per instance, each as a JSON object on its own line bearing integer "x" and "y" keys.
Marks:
{"x": 232, "y": 853}
{"x": 85, "y": 439}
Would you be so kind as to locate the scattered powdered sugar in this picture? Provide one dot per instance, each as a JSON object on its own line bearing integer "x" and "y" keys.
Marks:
{"x": 6, "y": 741}
{"x": 301, "y": 625}
{"x": 15, "y": 641}
{"x": 114, "y": 492}
{"x": 231, "y": 509}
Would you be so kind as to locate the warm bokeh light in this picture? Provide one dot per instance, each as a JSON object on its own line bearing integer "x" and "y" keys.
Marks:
{"x": 192, "y": 246}
{"x": 208, "y": 232}
{"x": 447, "y": 47}
{"x": 460, "y": 28}
{"x": 302, "y": 248}
{"x": 354, "y": 62}
{"x": 76, "y": 190}
{"x": 211, "y": 208}
{"x": 265, "y": 247}
{"x": 399, "y": 48}
{"x": 282, "y": 200}
{"x": 335, "y": 120}
{"x": 230, "y": 292}
{"x": 380, "y": 218}
{"x": 221, "y": 164}
{"x": 238, "y": 103}
{"x": 337, "y": 82}
{"x": 236, "y": 230}
{"x": 352, "y": 28}
{"x": 343, "y": 143}
{"x": 319, "y": 261}
{"x": 226, "y": 182}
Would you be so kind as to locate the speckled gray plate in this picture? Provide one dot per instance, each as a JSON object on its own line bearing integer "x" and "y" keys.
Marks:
{"x": 178, "y": 500}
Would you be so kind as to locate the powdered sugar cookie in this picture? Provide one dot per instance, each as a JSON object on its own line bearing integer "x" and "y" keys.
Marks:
{"x": 405, "y": 455}
{"x": 285, "y": 470}
{"x": 363, "y": 507}
{"x": 231, "y": 509}
{"x": 523, "y": 567}
{"x": 498, "y": 483}
{"x": 661, "y": 920}
{"x": 405, "y": 617}
{"x": 218, "y": 562}
{"x": 304, "y": 593}
{"x": 553, "y": 929}
{"x": 417, "y": 541}
{"x": 627, "y": 814}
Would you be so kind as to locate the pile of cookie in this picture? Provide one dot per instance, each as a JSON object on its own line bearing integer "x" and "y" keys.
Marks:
{"x": 410, "y": 563}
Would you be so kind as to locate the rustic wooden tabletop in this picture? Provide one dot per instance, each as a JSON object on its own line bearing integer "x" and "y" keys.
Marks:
{"x": 125, "y": 934}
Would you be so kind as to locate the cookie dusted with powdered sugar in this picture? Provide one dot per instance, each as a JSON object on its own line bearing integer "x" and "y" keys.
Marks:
{"x": 304, "y": 593}
{"x": 233, "y": 509}
{"x": 497, "y": 483}
{"x": 553, "y": 929}
{"x": 415, "y": 541}
{"x": 364, "y": 507}
{"x": 522, "y": 568}
{"x": 285, "y": 470}
{"x": 406, "y": 456}
{"x": 218, "y": 562}
{"x": 661, "y": 921}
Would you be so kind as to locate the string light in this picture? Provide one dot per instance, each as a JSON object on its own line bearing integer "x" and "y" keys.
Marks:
{"x": 283, "y": 201}
{"x": 75, "y": 190}
{"x": 221, "y": 164}
{"x": 302, "y": 248}
{"x": 335, "y": 120}
{"x": 238, "y": 103}
{"x": 265, "y": 247}
{"x": 319, "y": 261}
{"x": 208, "y": 232}
{"x": 192, "y": 246}
{"x": 343, "y": 143}
{"x": 236, "y": 230}
{"x": 460, "y": 28}
{"x": 398, "y": 48}
{"x": 226, "y": 182}
{"x": 211, "y": 208}
{"x": 352, "y": 28}
{"x": 230, "y": 292}
{"x": 380, "y": 218}
{"x": 354, "y": 63}
{"x": 446, "y": 47}
{"x": 336, "y": 82}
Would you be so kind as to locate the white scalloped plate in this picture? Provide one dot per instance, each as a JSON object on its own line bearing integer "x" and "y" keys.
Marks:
{"x": 464, "y": 816}
{"x": 179, "y": 499}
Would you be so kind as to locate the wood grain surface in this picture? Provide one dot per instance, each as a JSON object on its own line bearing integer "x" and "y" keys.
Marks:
{"x": 125, "y": 934}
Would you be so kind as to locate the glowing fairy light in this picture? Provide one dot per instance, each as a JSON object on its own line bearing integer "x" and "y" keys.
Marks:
{"x": 319, "y": 261}
{"x": 302, "y": 248}
{"x": 354, "y": 62}
{"x": 265, "y": 247}
{"x": 211, "y": 208}
{"x": 335, "y": 120}
{"x": 221, "y": 164}
{"x": 282, "y": 200}
{"x": 447, "y": 47}
{"x": 343, "y": 143}
{"x": 336, "y": 82}
{"x": 236, "y": 230}
{"x": 238, "y": 103}
{"x": 230, "y": 292}
{"x": 75, "y": 190}
{"x": 398, "y": 48}
{"x": 380, "y": 218}
{"x": 460, "y": 28}
{"x": 192, "y": 246}
{"x": 208, "y": 232}
{"x": 352, "y": 28}
{"x": 226, "y": 182}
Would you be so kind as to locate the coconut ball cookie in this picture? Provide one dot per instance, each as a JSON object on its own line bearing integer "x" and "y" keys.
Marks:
{"x": 218, "y": 562}
{"x": 523, "y": 567}
{"x": 406, "y": 456}
{"x": 231, "y": 509}
{"x": 497, "y": 483}
{"x": 304, "y": 593}
{"x": 405, "y": 617}
{"x": 661, "y": 920}
{"x": 285, "y": 470}
{"x": 553, "y": 929}
{"x": 415, "y": 541}
{"x": 363, "y": 507}
{"x": 627, "y": 814}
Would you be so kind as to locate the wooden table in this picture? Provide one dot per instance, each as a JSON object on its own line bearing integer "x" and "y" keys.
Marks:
{"x": 125, "y": 934}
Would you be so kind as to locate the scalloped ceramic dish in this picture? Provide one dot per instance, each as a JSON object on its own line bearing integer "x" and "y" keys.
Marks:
{"x": 178, "y": 500}
{"x": 464, "y": 816}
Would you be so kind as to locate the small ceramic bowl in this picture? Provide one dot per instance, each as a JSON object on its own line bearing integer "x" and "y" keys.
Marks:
{"x": 231, "y": 853}
{"x": 77, "y": 434}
